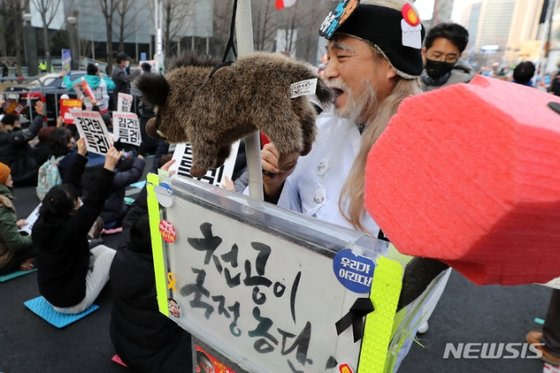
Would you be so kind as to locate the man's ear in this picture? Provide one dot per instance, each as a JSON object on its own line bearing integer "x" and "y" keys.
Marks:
{"x": 424, "y": 55}
{"x": 154, "y": 88}
{"x": 390, "y": 72}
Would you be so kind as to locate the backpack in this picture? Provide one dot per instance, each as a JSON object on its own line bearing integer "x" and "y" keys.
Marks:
{"x": 48, "y": 176}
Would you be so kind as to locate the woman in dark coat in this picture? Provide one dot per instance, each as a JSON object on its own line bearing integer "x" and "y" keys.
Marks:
{"x": 71, "y": 275}
{"x": 15, "y": 150}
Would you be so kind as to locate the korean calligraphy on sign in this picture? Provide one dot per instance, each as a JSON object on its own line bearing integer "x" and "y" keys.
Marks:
{"x": 91, "y": 126}
{"x": 256, "y": 292}
{"x": 126, "y": 128}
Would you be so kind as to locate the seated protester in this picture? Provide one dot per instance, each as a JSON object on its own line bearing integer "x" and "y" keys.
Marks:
{"x": 71, "y": 275}
{"x": 128, "y": 171}
{"x": 15, "y": 150}
{"x": 61, "y": 146}
{"x": 144, "y": 339}
{"x": 41, "y": 149}
{"x": 16, "y": 249}
{"x": 140, "y": 205}
{"x": 98, "y": 85}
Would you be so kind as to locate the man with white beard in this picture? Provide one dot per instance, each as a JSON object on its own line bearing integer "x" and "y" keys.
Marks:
{"x": 374, "y": 61}
{"x": 372, "y": 67}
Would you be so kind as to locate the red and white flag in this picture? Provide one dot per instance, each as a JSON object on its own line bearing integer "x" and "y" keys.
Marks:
{"x": 281, "y": 4}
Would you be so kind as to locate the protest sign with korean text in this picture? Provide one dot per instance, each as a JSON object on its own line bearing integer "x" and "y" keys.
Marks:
{"x": 126, "y": 128}
{"x": 66, "y": 106}
{"x": 91, "y": 126}
{"x": 183, "y": 163}
{"x": 124, "y": 102}
{"x": 250, "y": 280}
{"x": 66, "y": 59}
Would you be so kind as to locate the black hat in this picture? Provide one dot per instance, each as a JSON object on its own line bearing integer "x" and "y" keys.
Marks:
{"x": 396, "y": 34}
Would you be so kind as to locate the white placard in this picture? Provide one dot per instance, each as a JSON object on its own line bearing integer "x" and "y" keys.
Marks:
{"x": 126, "y": 128}
{"x": 253, "y": 293}
{"x": 91, "y": 126}
{"x": 30, "y": 220}
{"x": 124, "y": 103}
{"x": 303, "y": 88}
{"x": 183, "y": 163}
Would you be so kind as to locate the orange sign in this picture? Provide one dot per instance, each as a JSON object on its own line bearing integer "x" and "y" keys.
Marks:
{"x": 66, "y": 105}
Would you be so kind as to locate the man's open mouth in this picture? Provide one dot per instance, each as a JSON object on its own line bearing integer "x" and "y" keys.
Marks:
{"x": 337, "y": 92}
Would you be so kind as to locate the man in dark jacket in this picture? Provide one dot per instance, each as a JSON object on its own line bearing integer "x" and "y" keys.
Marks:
{"x": 443, "y": 47}
{"x": 15, "y": 150}
{"x": 120, "y": 76}
{"x": 143, "y": 338}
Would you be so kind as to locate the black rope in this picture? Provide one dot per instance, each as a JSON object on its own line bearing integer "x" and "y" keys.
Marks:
{"x": 230, "y": 44}
{"x": 229, "y": 47}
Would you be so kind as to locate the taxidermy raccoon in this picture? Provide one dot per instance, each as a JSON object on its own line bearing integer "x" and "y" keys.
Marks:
{"x": 211, "y": 114}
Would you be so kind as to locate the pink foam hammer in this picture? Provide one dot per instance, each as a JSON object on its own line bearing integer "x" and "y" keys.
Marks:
{"x": 470, "y": 175}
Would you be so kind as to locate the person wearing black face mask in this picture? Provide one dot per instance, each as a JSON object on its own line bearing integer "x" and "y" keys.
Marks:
{"x": 442, "y": 50}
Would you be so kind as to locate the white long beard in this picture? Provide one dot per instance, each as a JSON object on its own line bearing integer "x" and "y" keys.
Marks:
{"x": 360, "y": 108}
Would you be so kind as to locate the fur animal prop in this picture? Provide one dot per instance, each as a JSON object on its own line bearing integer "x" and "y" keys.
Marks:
{"x": 212, "y": 113}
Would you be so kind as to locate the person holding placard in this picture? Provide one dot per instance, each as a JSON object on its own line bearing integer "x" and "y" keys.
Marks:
{"x": 371, "y": 70}
{"x": 16, "y": 249}
{"x": 15, "y": 150}
{"x": 71, "y": 276}
{"x": 99, "y": 88}
{"x": 374, "y": 61}
{"x": 128, "y": 170}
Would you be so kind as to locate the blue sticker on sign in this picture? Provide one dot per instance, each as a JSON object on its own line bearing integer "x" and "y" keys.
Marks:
{"x": 354, "y": 272}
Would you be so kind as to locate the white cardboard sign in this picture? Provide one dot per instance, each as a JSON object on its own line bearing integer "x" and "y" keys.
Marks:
{"x": 126, "y": 128}
{"x": 183, "y": 163}
{"x": 91, "y": 126}
{"x": 31, "y": 219}
{"x": 124, "y": 102}
{"x": 253, "y": 293}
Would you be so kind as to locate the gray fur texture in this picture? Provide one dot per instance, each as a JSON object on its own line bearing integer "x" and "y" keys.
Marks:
{"x": 253, "y": 94}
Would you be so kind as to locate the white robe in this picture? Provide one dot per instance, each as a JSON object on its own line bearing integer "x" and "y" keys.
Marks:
{"x": 315, "y": 185}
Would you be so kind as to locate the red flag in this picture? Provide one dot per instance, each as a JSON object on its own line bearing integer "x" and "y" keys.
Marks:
{"x": 281, "y": 4}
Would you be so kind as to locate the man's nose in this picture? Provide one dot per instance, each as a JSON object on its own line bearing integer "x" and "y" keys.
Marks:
{"x": 331, "y": 70}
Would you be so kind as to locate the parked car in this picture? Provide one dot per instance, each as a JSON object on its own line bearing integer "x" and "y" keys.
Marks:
{"x": 49, "y": 88}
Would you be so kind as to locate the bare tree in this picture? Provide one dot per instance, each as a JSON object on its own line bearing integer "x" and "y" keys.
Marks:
{"x": 108, "y": 8}
{"x": 13, "y": 16}
{"x": 174, "y": 13}
{"x": 264, "y": 24}
{"x": 47, "y": 9}
{"x": 123, "y": 9}
{"x": 221, "y": 26}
